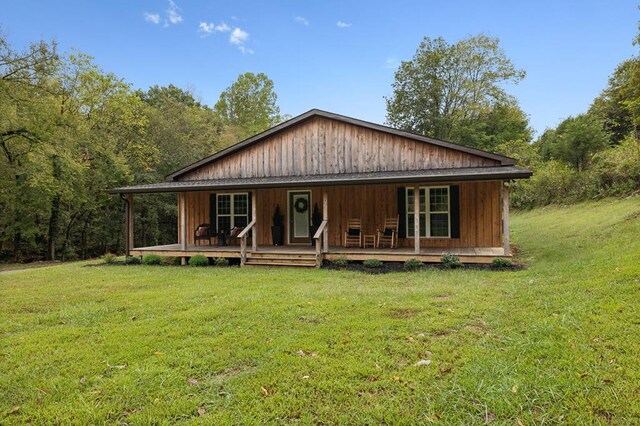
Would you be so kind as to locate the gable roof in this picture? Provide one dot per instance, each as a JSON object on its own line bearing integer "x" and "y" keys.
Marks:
{"x": 505, "y": 161}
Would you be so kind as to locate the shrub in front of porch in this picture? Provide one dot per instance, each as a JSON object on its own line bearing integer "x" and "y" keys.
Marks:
{"x": 501, "y": 263}
{"x": 340, "y": 261}
{"x": 198, "y": 260}
{"x": 221, "y": 261}
{"x": 413, "y": 264}
{"x": 151, "y": 259}
{"x": 109, "y": 258}
{"x": 372, "y": 263}
{"x": 451, "y": 261}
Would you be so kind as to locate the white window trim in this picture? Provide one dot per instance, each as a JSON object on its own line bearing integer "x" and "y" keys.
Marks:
{"x": 427, "y": 213}
{"x": 232, "y": 215}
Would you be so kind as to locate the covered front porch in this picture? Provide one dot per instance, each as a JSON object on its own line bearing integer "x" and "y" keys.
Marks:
{"x": 472, "y": 223}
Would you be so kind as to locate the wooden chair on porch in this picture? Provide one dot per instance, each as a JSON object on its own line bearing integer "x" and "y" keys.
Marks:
{"x": 353, "y": 234}
{"x": 202, "y": 233}
{"x": 388, "y": 235}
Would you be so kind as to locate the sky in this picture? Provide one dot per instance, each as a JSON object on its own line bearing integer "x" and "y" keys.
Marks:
{"x": 338, "y": 56}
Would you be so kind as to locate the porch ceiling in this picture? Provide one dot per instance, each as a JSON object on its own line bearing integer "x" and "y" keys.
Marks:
{"x": 391, "y": 177}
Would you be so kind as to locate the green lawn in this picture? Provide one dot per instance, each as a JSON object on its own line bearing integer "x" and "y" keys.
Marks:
{"x": 556, "y": 342}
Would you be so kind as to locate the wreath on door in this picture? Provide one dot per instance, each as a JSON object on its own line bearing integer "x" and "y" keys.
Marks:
{"x": 301, "y": 205}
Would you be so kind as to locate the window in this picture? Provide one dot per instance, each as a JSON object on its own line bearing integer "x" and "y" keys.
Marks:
{"x": 233, "y": 210}
{"x": 434, "y": 211}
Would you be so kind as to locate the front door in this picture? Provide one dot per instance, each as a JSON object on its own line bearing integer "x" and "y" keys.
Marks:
{"x": 299, "y": 216}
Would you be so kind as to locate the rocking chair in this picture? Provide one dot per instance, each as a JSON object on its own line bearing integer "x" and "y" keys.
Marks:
{"x": 353, "y": 234}
{"x": 389, "y": 233}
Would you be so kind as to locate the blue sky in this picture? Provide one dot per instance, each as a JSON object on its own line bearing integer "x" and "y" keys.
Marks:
{"x": 335, "y": 55}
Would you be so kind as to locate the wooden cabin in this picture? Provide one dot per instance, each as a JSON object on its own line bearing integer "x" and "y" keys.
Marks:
{"x": 353, "y": 171}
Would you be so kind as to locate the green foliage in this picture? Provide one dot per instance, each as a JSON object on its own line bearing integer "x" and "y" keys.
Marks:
{"x": 574, "y": 141}
{"x": 109, "y": 258}
{"x": 451, "y": 261}
{"x": 249, "y": 105}
{"x": 501, "y": 262}
{"x": 198, "y": 260}
{"x": 152, "y": 259}
{"x": 221, "y": 261}
{"x": 170, "y": 261}
{"x": 132, "y": 260}
{"x": 413, "y": 265}
{"x": 69, "y": 130}
{"x": 340, "y": 261}
{"x": 453, "y": 90}
{"x": 372, "y": 263}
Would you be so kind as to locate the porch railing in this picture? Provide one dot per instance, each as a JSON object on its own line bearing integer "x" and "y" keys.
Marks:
{"x": 243, "y": 241}
{"x": 317, "y": 237}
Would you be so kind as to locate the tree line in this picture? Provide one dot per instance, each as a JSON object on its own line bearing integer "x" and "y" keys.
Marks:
{"x": 69, "y": 131}
{"x": 457, "y": 92}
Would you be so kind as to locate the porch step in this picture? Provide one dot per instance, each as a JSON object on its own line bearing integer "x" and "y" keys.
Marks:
{"x": 305, "y": 260}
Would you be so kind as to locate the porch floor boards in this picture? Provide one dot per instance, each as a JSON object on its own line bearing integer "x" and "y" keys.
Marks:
{"x": 467, "y": 255}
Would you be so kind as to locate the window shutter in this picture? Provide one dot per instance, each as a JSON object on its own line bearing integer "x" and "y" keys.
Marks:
{"x": 402, "y": 212}
{"x": 213, "y": 214}
{"x": 249, "y": 218}
{"x": 454, "y": 199}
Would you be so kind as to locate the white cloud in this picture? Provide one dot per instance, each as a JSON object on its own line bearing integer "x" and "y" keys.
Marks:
{"x": 171, "y": 17}
{"x": 208, "y": 28}
{"x": 154, "y": 18}
{"x": 173, "y": 14}
{"x": 341, "y": 24}
{"x": 301, "y": 20}
{"x": 238, "y": 36}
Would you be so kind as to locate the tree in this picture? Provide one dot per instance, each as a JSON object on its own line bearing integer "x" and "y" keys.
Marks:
{"x": 249, "y": 106}
{"x": 494, "y": 126}
{"x": 445, "y": 87}
{"x": 574, "y": 141}
{"x": 617, "y": 106}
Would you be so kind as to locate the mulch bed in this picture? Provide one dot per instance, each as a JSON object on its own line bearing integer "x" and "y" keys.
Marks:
{"x": 390, "y": 267}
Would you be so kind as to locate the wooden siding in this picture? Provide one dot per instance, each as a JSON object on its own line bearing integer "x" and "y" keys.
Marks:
{"x": 325, "y": 146}
{"x": 480, "y": 212}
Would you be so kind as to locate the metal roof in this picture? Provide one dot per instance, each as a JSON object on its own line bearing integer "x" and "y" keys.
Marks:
{"x": 410, "y": 176}
{"x": 505, "y": 161}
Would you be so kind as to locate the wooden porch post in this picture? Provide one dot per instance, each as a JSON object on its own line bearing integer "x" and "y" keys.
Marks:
{"x": 325, "y": 216}
{"x": 416, "y": 219}
{"x": 505, "y": 218}
{"x": 254, "y": 216}
{"x": 182, "y": 202}
{"x": 129, "y": 225}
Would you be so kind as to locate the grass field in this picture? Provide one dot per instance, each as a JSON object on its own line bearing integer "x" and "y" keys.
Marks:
{"x": 556, "y": 342}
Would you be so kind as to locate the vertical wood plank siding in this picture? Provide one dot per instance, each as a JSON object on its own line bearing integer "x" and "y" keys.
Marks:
{"x": 480, "y": 212}
{"x": 324, "y": 146}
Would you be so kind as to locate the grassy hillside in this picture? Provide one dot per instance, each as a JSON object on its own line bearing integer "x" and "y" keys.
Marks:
{"x": 555, "y": 342}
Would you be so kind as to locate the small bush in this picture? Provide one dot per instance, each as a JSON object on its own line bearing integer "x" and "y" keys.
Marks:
{"x": 221, "y": 261}
{"x": 151, "y": 259}
{"x": 132, "y": 260}
{"x": 341, "y": 261}
{"x": 170, "y": 261}
{"x": 372, "y": 263}
{"x": 451, "y": 261}
{"x": 501, "y": 262}
{"x": 412, "y": 265}
{"x": 109, "y": 258}
{"x": 198, "y": 260}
